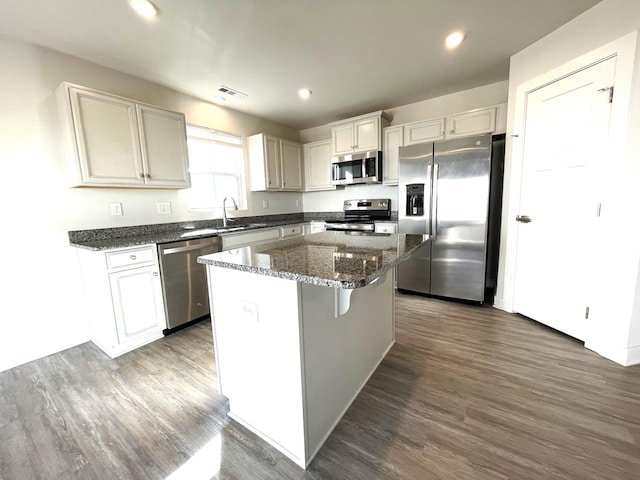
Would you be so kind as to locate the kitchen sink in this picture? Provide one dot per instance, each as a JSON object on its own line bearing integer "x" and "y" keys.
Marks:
{"x": 202, "y": 231}
{"x": 257, "y": 225}
{"x": 221, "y": 230}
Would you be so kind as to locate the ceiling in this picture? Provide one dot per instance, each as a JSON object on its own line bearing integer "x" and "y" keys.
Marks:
{"x": 357, "y": 56}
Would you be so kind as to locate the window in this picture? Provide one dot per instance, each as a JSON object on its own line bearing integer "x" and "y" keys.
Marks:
{"x": 216, "y": 164}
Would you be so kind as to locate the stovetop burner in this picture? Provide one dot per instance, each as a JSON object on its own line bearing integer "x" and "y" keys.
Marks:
{"x": 360, "y": 215}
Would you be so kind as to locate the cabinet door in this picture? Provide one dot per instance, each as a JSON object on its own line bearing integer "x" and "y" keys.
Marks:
{"x": 342, "y": 138}
{"x": 291, "y": 165}
{"x": 424, "y": 131}
{"x": 392, "y": 142}
{"x": 367, "y": 134}
{"x": 473, "y": 122}
{"x": 106, "y": 134}
{"x": 164, "y": 147}
{"x": 272, "y": 162}
{"x": 317, "y": 166}
{"x": 137, "y": 303}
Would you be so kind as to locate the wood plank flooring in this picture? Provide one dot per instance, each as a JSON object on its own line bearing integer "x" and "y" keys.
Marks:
{"x": 466, "y": 393}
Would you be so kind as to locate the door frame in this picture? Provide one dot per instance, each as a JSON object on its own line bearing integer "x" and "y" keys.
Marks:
{"x": 624, "y": 49}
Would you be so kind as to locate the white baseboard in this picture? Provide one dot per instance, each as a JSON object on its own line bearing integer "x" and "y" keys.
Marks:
{"x": 625, "y": 356}
{"x": 500, "y": 304}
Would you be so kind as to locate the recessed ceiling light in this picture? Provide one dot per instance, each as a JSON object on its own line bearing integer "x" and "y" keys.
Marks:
{"x": 304, "y": 93}
{"x": 453, "y": 40}
{"x": 219, "y": 100}
{"x": 144, "y": 8}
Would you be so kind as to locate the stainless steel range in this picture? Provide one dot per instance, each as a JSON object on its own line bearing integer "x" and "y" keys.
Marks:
{"x": 360, "y": 215}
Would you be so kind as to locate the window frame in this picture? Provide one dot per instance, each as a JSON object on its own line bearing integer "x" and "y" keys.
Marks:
{"x": 219, "y": 137}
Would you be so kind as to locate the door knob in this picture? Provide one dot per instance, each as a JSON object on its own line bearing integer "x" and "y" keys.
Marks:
{"x": 523, "y": 219}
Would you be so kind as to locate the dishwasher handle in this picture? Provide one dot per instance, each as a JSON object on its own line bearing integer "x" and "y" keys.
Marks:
{"x": 189, "y": 248}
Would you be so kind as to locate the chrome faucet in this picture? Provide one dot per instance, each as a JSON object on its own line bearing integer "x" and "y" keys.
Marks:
{"x": 224, "y": 209}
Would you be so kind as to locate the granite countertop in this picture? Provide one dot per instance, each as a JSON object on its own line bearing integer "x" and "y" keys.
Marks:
{"x": 105, "y": 239}
{"x": 333, "y": 259}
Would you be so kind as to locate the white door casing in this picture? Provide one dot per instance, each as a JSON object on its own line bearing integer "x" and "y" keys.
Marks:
{"x": 565, "y": 140}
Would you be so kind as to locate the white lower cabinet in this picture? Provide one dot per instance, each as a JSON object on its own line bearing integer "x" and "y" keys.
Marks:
{"x": 124, "y": 297}
{"x": 136, "y": 303}
{"x": 314, "y": 227}
{"x": 253, "y": 237}
{"x": 291, "y": 231}
{"x": 386, "y": 227}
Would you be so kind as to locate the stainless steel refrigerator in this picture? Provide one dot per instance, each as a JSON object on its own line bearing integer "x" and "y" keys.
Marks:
{"x": 451, "y": 190}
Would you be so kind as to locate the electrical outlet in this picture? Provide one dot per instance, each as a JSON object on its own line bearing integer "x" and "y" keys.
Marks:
{"x": 163, "y": 208}
{"x": 265, "y": 204}
{"x": 116, "y": 209}
{"x": 297, "y": 203}
{"x": 248, "y": 311}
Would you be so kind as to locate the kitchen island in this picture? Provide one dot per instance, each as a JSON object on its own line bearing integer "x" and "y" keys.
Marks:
{"x": 299, "y": 326}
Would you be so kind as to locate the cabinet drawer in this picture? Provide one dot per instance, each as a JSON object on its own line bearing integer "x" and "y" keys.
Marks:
{"x": 385, "y": 228}
{"x": 126, "y": 258}
{"x": 291, "y": 231}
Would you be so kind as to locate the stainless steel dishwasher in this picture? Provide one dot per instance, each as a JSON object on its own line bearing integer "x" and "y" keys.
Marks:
{"x": 184, "y": 280}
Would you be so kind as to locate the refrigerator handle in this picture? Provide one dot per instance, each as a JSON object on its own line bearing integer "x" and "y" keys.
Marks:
{"x": 434, "y": 202}
{"x": 428, "y": 199}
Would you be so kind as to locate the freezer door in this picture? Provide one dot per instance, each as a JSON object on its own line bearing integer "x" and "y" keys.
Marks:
{"x": 415, "y": 163}
{"x": 414, "y": 274}
{"x": 459, "y": 215}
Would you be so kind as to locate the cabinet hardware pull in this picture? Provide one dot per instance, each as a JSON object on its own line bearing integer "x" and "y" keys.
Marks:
{"x": 149, "y": 176}
{"x": 523, "y": 219}
{"x": 155, "y": 274}
{"x": 132, "y": 257}
{"x": 452, "y": 131}
{"x": 142, "y": 175}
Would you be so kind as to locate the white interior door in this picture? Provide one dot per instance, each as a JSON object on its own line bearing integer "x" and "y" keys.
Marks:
{"x": 566, "y": 133}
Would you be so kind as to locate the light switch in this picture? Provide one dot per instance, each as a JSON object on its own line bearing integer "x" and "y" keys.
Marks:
{"x": 265, "y": 204}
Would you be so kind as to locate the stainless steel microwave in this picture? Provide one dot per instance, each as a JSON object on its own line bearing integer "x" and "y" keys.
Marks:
{"x": 357, "y": 168}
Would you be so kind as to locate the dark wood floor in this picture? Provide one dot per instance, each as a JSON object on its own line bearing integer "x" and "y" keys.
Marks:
{"x": 466, "y": 393}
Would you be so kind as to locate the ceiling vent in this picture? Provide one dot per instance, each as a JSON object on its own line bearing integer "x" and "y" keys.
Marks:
{"x": 231, "y": 92}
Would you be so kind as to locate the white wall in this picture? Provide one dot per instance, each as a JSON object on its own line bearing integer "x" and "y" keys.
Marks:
{"x": 41, "y": 307}
{"x": 616, "y": 316}
{"x": 493, "y": 94}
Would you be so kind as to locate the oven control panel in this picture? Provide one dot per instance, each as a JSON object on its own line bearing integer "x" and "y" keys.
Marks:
{"x": 368, "y": 204}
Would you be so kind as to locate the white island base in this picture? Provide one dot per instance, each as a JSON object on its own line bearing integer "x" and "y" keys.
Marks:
{"x": 293, "y": 356}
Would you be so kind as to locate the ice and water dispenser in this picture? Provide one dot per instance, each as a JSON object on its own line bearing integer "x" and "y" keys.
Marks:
{"x": 415, "y": 200}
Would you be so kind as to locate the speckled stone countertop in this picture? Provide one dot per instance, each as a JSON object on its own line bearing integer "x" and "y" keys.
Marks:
{"x": 120, "y": 237}
{"x": 333, "y": 259}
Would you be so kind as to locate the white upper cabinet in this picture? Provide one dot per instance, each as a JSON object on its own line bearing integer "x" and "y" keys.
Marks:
{"x": 164, "y": 154}
{"x": 358, "y": 134}
{"x": 317, "y": 166}
{"x": 291, "y": 165}
{"x": 392, "y": 142}
{"x": 473, "y": 122}
{"x": 424, "y": 131}
{"x": 111, "y": 141}
{"x": 275, "y": 163}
